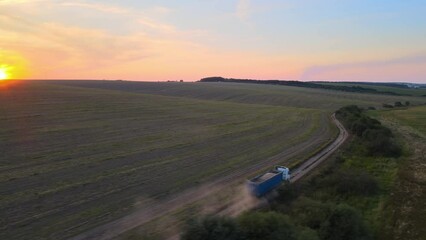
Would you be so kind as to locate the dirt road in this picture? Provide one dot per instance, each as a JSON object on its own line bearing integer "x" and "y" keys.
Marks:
{"x": 312, "y": 162}
{"x": 153, "y": 211}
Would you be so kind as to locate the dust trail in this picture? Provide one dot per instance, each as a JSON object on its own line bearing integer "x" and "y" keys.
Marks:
{"x": 242, "y": 201}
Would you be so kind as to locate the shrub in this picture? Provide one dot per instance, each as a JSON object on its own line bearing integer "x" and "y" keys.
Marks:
{"x": 377, "y": 134}
{"x": 288, "y": 192}
{"x": 211, "y": 228}
{"x": 307, "y": 234}
{"x": 398, "y": 104}
{"x": 385, "y": 147}
{"x": 358, "y": 128}
{"x": 346, "y": 223}
{"x": 376, "y": 138}
{"x": 353, "y": 182}
{"x": 266, "y": 226}
{"x": 310, "y": 213}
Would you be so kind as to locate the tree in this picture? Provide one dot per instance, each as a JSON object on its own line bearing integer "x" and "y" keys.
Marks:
{"x": 407, "y": 103}
{"x": 387, "y": 105}
{"x": 398, "y": 104}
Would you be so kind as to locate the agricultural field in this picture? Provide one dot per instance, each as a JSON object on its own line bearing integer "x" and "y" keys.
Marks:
{"x": 77, "y": 154}
{"x": 73, "y": 153}
{"x": 328, "y": 100}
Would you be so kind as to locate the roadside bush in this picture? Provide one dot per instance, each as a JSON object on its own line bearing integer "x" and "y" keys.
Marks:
{"x": 288, "y": 193}
{"x": 346, "y": 223}
{"x": 358, "y": 128}
{"x": 348, "y": 182}
{"x": 307, "y": 234}
{"x": 266, "y": 226}
{"x": 386, "y": 147}
{"x": 376, "y": 134}
{"x": 211, "y": 228}
{"x": 310, "y": 213}
{"x": 249, "y": 226}
{"x": 377, "y": 139}
{"x": 398, "y": 104}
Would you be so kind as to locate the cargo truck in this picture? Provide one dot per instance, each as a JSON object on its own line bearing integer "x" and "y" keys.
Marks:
{"x": 262, "y": 184}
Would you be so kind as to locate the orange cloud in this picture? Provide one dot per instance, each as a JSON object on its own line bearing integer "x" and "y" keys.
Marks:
{"x": 57, "y": 50}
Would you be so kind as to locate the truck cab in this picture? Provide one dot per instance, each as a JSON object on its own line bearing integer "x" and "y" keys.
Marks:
{"x": 285, "y": 172}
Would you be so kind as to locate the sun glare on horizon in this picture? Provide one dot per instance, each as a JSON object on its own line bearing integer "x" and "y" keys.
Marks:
{"x": 3, "y": 74}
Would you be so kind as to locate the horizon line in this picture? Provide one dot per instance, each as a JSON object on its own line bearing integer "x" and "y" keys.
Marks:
{"x": 183, "y": 80}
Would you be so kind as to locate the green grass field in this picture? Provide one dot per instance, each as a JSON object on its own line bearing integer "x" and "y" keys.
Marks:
{"x": 413, "y": 117}
{"x": 77, "y": 154}
{"x": 406, "y": 209}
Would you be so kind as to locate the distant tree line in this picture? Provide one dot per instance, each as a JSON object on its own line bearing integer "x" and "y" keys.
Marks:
{"x": 396, "y": 104}
{"x": 381, "y": 84}
{"x": 294, "y": 83}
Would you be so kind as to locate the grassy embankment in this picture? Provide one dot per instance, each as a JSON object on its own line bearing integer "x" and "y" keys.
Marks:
{"x": 405, "y": 216}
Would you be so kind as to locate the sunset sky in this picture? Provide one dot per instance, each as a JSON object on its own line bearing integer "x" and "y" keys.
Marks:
{"x": 362, "y": 40}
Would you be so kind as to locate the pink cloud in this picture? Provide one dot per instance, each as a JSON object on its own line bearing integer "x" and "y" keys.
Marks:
{"x": 409, "y": 68}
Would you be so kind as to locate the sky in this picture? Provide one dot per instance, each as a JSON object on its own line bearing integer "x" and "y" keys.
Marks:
{"x": 330, "y": 40}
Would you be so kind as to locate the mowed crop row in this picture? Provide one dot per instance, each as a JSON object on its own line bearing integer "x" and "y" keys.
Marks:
{"x": 72, "y": 158}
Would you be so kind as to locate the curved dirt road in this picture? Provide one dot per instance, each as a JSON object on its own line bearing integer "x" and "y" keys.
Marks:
{"x": 318, "y": 158}
{"x": 149, "y": 213}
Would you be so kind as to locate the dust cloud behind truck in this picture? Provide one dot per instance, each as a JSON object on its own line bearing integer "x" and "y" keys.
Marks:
{"x": 262, "y": 184}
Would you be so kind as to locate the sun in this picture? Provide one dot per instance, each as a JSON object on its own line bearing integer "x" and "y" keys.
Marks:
{"x": 3, "y": 74}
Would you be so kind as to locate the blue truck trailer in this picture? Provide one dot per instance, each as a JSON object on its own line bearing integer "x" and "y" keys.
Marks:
{"x": 262, "y": 184}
